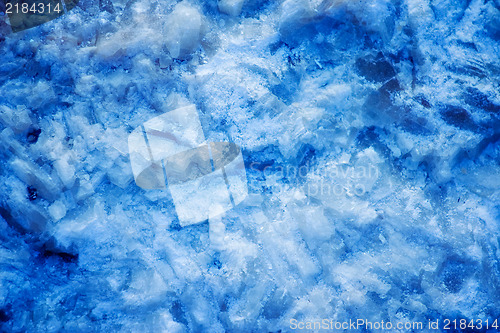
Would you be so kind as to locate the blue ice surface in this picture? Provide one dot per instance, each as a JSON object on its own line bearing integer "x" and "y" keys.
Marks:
{"x": 370, "y": 133}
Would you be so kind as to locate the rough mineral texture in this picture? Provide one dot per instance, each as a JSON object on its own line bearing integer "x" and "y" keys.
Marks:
{"x": 370, "y": 132}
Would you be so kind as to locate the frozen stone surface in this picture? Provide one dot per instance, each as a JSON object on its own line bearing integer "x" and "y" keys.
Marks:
{"x": 370, "y": 133}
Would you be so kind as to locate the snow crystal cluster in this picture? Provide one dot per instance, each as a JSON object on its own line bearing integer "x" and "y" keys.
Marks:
{"x": 370, "y": 132}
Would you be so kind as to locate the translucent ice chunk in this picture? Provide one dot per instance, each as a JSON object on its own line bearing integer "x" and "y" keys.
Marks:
{"x": 65, "y": 171}
{"x": 231, "y": 7}
{"x": 18, "y": 119}
{"x": 184, "y": 27}
{"x": 57, "y": 210}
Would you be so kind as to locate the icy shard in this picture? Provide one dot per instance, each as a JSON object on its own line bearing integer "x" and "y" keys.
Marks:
{"x": 205, "y": 179}
{"x": 184, "y": 30}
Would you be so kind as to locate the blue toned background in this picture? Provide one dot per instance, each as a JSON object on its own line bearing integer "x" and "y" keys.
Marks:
{"x": 370, "y": 132}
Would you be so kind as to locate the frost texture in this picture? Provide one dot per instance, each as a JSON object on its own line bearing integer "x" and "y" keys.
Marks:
{"x": 370, "y": 133}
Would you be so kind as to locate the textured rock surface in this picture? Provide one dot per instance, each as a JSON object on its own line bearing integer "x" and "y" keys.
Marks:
{"x": 370, "y": 134}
